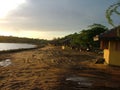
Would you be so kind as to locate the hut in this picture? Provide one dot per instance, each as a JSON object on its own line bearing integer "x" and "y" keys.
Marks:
{"x": 110, "y": 43}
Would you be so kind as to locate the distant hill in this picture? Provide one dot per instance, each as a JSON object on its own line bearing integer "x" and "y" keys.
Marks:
{"x": 11, "y": 39}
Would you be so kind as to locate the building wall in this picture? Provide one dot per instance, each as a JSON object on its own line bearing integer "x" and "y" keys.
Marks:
{"x": 106, "y": 55}
{"x": 107, "y": 52}
{"x": 114, "y": 54}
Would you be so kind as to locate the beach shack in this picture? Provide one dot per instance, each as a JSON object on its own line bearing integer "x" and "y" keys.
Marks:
{"x": 110, "y": 43}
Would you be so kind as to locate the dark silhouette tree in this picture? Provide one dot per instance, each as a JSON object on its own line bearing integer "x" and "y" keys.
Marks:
{"x": 83, "y": 38}
{"x": 86, "y": 36}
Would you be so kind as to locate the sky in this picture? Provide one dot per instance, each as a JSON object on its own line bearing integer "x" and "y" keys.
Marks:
{"x": 48, "y": 19}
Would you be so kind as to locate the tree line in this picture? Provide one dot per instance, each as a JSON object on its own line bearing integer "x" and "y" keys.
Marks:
{"x": 82, "y": 39}
{"x": 11, "y": 39}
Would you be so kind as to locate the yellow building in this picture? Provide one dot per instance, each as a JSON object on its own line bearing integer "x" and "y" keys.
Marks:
{"x": 110, "y": 42}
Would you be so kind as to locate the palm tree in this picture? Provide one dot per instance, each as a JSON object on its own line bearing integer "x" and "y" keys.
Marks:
{"x": 112, "y": 9}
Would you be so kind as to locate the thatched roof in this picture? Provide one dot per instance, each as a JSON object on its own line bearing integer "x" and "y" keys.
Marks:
{"x": 112, "y": 34}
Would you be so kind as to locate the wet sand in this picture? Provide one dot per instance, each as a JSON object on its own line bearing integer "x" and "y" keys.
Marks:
{"x": 51, "y": 68}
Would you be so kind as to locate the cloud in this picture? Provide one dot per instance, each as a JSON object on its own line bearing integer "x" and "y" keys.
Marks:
{"x": 59, "y": 16}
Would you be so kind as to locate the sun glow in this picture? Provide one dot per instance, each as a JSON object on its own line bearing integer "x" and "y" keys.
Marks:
{"x": 6, "y": 33}
{"x": 21, "y": 33}
{"x": 7, "y": 5}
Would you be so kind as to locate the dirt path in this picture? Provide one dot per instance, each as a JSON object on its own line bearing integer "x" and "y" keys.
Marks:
{"x": 51, "y": 68}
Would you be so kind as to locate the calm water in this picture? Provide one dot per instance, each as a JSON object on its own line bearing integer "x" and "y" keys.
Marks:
{"x": 12, "y": 46}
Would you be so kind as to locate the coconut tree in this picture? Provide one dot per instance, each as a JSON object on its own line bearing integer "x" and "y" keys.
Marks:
{"x": 112, "y": 9}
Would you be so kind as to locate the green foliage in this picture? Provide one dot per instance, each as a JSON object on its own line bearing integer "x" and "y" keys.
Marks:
{"x": 83, "y": 38}
{"x": 86, "y": 36}
{"x": 74, "y": 40}
{"x": 112, "y": 9}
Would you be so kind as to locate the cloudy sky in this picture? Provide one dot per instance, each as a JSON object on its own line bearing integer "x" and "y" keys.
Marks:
{"x": 48, "y": 19}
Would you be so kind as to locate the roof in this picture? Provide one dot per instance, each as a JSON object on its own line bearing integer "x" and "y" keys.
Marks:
{"x": 112, "y": 34}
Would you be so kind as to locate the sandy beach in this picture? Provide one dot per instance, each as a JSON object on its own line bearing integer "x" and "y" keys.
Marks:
{"x": 51, "y": 68}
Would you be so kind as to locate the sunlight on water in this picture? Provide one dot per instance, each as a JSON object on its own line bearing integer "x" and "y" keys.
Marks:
{"x": 12, "y": 46}
{"x": 5, "y": 63}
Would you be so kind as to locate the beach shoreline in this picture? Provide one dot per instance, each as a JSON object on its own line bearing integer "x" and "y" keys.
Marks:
{"x": 51, "y": 68}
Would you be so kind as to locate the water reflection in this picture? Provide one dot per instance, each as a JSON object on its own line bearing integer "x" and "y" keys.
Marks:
{"x": 5, "y": 63}
{"x": 81, "y": 81}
